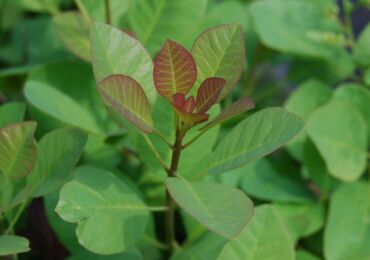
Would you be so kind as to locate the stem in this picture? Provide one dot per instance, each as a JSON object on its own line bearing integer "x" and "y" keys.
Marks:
{"x": 83, "y": 10}
{"x": 348, "y": 8}
{"x": 16, "y": 217}
{"x": 195, "y": 138}
{"x": 163, "y": 138}
{"x": 107, "y": 12}
{"x": 169, "y": 217}
{"x": 156, "y": 154}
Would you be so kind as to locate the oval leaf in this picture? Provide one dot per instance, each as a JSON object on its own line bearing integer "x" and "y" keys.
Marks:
{"x": 110, "y": 217}
{"x": 174, "y": 70}
{"x": 124, "y": 95}
{"x": 219, "y": 52}
{"x": 253, "y": 138}
{"x": 208, "y": 92}
{"x": 17, "y": 149}
{"x": 10, "y": 245}
{"x": 222, "y": 209}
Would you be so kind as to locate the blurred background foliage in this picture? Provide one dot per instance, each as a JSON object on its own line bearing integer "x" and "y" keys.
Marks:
{"x": 310, "y": 56}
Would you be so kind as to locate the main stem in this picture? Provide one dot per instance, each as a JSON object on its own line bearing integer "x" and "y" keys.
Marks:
{"x": 170, "y": 216}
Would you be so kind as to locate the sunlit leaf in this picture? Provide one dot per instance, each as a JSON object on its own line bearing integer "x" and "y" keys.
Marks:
{"x": 174, "y": 70}
{"x": 10, "y": 245}
{"x": 95, "y": 197}
{"x": 17, "y": 149}
{"x": 219, "y": 52}
{"x": 208, "y": 92}
{"x": 222, "y": 209}
{"x": 124, "y": 95}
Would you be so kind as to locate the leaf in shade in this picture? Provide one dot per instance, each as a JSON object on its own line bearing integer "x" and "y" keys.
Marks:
{"x": 174, "y": 71}
{"x": 124, "y": 95}
{"x": 222, "y": 209}
{"x": 10, "y": 245}
{"x": 219, "y": 52}
{"x": 242, "y": 105}
{"x": 208, "y": 92}
{"x": 17, "y": 149}
{"x": 11, "y": 113}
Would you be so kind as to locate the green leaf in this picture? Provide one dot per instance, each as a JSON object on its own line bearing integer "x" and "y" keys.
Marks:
{"x": 367, "y": 77}
{"x": 304, "y": 255}
{"x": 265, "y": 237}
{"x": 340, "y": 133}
{"x": 219, "y": 52}
{"x": 242, "y": 105}
{"x": 115, "y": 52}
{"x": 303, "y": 219}
{"x": 358, "y": 96}
{"x": 299, "y": 104}
{"x": 17, "y": 149}
{"x": 253, "y": 138}
{"x": 154, "y": 22}
{"x": 361, "y": 50}
{"x": 60, "y": 106}
{"x": 11, "y": 113}
{"x": 125, "y": 96}
{"x": 222, "y": 209}
{"x": 347, "y": 234}
{"x": 10, "y": 245}
{"x": 94, "y": 197}
{"x": 260, "y": 180}
{"x": 73, "y": 30}
{"x": 58, "y": 152}
{"x": 174, "y": 70}
{"x": 297, "y": 27}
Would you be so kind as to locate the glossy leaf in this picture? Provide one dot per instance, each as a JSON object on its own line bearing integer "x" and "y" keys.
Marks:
{"x": 17, "y": 149}
{"x": 124, "y": 95}
{"x": 10, "y": 245}
{"x": 340, "y": 133}
{"x": 11, "y": 113}
{"x": 219, "y": 52}
{"x": 242, "y": 105}
{"x": 208, "y": 93}
{"x": 262, "y": 181}
{"x": 73, "y": 30}
{"x": 95, "y": 196}
{"x": 58, "y": 152}
{"x": 253, "y": 138}
{"x": 347, "y": 233}
{"x": 155, "y": 21}
{"x": 265, "y": 237}
{"x": 299, "y": 104}
{"x": 115, "y": 52}
{"x": 174, "y": 71}
{"x": 222, "y": 209}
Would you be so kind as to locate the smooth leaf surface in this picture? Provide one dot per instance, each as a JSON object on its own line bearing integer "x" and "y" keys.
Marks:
{"x": 222, "y": 209}
{"x": 253, "y": 138}
{"x": 340, "y": 133}
{"x": 17, "y": 149}
{"x": 265, "y": 237}
{"x": 208, "y": 92}
{"x": 58, "y": 152}
{"x": 94, "y": 197}
{"x": 260, "y": 180}
{"x": 73, "y": 30}
{"x": 10, "y": 244}
{"x": 298, "y": 103}
{"x": 53, "y": 102}
{"x": 155, "y": 21}
{"x": 219, "y": 52}
{"x": 11, "y": 113}
{"x": 124, "y": 95}
{"x": 115, "y": 52}
{"x": 347, "y": 233}
{"x": 174, "y": 70}
{"x": 361, "y": 50}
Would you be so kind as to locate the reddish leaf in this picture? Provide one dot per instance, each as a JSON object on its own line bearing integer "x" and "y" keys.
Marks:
{"x": 178, "y": 100}
{"x": 208, "y": 93}
{"x": 124, "y": 95}
{"x": 189, "y": 105}
{"x": 190, "y": 118}
{"x": 175, "y": 70}
{"x": 242, "y": 105}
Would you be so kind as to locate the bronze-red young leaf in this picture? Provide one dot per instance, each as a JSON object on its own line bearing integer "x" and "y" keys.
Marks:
{"x": 208, "y": 93}
{"x": 189, "y": 105}
{"x": 174, "y": 71}
{"x": 124, "y": 95}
